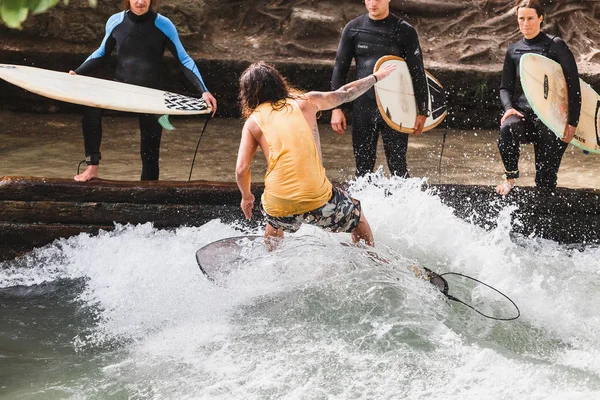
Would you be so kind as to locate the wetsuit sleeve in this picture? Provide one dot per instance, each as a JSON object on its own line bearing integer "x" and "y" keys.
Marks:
{"x": 414, "y": 62}
{"x": 343, "y": 59}
{"x": 187, "y": 64}
{"x": 507, "y": 84}
{"x": 567, "y": 61}
{"x": 100, "y": 56}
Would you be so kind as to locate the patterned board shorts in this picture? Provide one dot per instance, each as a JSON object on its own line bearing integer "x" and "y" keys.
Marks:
{"x": 340, "y": 214}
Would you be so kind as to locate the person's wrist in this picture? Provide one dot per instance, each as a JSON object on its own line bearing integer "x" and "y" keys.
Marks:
{"x": 423, "y": 109}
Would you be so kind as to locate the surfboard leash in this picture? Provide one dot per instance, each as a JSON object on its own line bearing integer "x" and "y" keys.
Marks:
{"x": 441, "y": 284}
{"x": 198, "y": 145}
{"x": 450, "y": 297}
{"x": 442, "y": 151}
{"x": 79, "y": 165}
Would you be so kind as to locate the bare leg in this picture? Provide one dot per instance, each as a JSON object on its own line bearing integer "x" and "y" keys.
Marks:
{"x": 363, "y": 232}
{"x": 272, "y": 236}
{"x": 505, "y": 187}
{"x": 90, "y": 173}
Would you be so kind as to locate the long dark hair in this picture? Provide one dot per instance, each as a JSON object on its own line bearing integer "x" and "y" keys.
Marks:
{"x": 261, "y": 83}
{"x": 535, "y": 4}
{"x": 153, "y": 5}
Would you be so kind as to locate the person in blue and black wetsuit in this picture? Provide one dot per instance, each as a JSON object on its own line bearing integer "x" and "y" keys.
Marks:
{"x": 519, "y": 124}
{"x": 140, "y": 36}
{"x": 366, "y": 39}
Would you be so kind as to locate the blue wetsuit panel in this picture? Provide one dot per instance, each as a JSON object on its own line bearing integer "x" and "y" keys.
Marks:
{"x": 140, "y": 42}
{"x": 188, "y": 65}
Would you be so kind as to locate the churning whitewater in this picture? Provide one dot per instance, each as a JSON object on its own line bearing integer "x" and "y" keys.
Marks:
{"x": 128, "y": 314}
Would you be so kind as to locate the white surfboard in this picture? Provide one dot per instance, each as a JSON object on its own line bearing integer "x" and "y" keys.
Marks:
{"x": 396, "y": 97}
{"x": 545, "y": 87}
{"x": 101, "y": 93}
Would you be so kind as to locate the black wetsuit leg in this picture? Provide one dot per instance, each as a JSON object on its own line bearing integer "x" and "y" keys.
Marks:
{"x": 365, "y": 133}
{"x": 91, "y": 125}
{"x": 151, "y": 133}
{"x": 549, "y": 150}
{"x": 395, "y": 145}
{"x": 367, "y": 124}
{"x": 512, "y": 133}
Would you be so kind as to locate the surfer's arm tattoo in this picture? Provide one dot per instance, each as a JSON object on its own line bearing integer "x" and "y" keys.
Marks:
{"x": 345, "y": 94}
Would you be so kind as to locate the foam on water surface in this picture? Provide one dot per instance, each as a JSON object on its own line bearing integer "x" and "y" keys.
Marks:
{"x": 134, "y": 317}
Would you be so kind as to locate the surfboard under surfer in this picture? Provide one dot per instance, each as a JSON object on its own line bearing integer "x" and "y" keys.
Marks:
{"x": 283, "y": 123}
{"x": 140, "y": 35}
{"x": 519, "y": 124}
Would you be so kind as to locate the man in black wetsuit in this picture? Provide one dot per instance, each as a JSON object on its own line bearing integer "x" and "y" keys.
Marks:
{"x": 140, "y": 36}
{"x": 519, "y": 124}
{"x": 366, "y": 39}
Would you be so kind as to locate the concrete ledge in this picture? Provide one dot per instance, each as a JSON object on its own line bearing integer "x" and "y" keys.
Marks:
{"x": 36, "y": 211}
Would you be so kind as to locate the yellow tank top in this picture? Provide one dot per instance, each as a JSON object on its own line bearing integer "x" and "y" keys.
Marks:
{"x": 295, "y": 181}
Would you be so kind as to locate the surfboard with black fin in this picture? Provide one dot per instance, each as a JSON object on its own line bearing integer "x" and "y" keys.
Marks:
{"x": 224, "y": 256}
{"x": 221, "y": 257}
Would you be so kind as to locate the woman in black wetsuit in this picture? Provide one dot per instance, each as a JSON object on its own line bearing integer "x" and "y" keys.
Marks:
{"x": 519, "y": 124}
{"x": 140, "y": 36}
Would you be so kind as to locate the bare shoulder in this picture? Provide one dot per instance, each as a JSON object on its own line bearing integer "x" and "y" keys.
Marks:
{"x": 251, "y": 124}
{"x": 251, "y": 127}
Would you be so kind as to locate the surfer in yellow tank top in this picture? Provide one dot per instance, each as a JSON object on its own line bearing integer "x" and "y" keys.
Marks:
{"x": 284, "y": 125}
{"x": 295, "y": 180}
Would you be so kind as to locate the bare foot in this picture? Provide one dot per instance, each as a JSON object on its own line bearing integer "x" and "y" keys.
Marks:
{"x": 505, "y": 187}
{"x": 90, "y": 173}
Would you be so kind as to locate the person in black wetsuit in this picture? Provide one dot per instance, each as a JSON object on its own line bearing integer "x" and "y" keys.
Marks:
{"x": 140, "y": 36}
{"x": 366, "y": 39}
{"x": 519, "y": 124}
